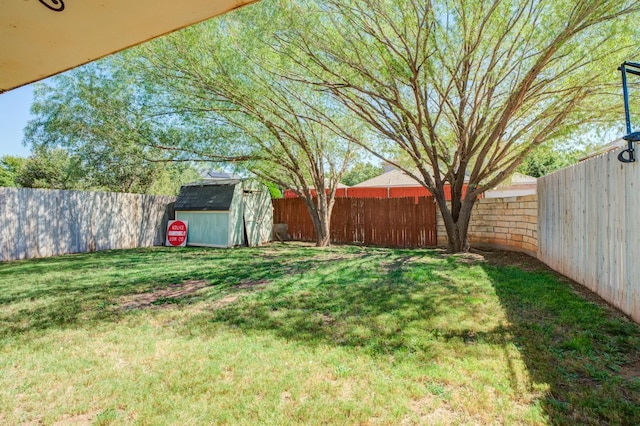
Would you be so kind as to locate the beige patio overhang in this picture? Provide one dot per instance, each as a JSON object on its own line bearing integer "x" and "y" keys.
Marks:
{"x": 40, "y": 38}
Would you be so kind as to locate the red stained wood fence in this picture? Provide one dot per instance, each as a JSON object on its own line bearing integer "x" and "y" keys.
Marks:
{"x": 375, "y": 192}
{"x": 387, "y": 222}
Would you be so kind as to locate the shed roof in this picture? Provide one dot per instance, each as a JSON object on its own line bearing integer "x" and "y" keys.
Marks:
{"x": 206, "y": 197}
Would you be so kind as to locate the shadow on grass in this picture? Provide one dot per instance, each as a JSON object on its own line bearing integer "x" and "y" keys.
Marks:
{"x": 351, "y": 304}
{"x": 81, "y": 289}
{"x": 381, "y": 303}
{"x": 584, "y": 351}
{"x": 580, "y": 350}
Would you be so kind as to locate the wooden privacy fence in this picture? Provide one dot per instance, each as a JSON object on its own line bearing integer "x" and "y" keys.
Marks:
{"x": 42, "y": 223}
{"x": 589, "y": 227}
{"x": 394, "y": 222}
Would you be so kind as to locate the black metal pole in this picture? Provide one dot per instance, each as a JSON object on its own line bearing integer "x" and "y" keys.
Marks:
{"x": 628, "y": 155}
{"x": 625, "y": 93}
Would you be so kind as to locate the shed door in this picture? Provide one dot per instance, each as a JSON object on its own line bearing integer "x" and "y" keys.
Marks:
{"x": 207, "y": 228}
{"x": 258, "y": 216}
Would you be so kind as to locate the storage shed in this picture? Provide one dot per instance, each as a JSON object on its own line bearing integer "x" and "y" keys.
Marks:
{"x": 226, "y": 212}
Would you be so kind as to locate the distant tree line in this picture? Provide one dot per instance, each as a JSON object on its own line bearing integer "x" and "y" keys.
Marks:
{"x": 56, "y": 169}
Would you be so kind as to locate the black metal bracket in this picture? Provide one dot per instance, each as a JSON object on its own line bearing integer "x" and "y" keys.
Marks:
{"x": 630, "y": 138}
{"x": 55, "y": 5}
{"x": 628, "y": 155}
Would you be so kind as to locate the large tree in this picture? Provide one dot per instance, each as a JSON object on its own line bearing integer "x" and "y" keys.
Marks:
{"x": 462, "y": 90}
{"x": 93, "y": 125}
{"x": 222, "y": 80}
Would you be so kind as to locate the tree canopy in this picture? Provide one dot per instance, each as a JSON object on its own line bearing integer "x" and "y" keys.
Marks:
{"x": 464, "y": 90}
{"x": 456, "y": 93}
{"x": 360, "y": 172}
{"x": 223, "y": 79}
{"x": 547, "y": 159}
{"x": 91, "y": 130}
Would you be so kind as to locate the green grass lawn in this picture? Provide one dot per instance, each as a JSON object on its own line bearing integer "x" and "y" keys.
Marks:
{"x": 291, "y": 334}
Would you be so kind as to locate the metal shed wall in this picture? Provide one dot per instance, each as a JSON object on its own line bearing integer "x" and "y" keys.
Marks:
{"x": 209, "y": 229}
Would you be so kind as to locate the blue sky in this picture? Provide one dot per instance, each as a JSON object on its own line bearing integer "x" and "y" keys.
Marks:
{"x": 14, "y": 114}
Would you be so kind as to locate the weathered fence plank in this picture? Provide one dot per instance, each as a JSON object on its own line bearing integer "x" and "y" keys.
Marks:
{"x": 391, "y": 222}
{"x": 42, "y": 223}
{"x": 589, "y": 227}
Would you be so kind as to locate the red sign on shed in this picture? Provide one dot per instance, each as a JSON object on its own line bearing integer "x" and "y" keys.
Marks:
{"x": 176, "y": 233}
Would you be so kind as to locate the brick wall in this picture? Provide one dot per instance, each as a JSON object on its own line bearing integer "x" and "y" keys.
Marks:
{"x": 505, "y": 223}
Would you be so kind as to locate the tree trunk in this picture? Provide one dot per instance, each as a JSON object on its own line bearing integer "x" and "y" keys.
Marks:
{"x": 321, "y": 218}
{"x": 323, "y": 236}
{"x": 456, "y": 222}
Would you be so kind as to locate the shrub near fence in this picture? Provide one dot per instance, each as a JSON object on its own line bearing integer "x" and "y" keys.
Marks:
{"x": 395, "y": 222}
{"x": 42, "y": 223}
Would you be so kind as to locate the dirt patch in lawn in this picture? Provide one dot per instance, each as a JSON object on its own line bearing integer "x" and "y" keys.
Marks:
{"x": 163, "y": 296}
{"x": 631, "y": 371}
{"x": 227, "y": 300}
{"x": 77, "y": 420}
{"x": 174, "y": 293}
{"x": 504, "y": 258}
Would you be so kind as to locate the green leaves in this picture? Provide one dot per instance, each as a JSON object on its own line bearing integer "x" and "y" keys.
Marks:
{"x": 10, "y": 168}
{"x": 462, "y": 91}
{"x": 360, "y": 172}
{"x": 93, "y": 129}
{"x": 51, "y": 169}
{"x": 466, "y": 89}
